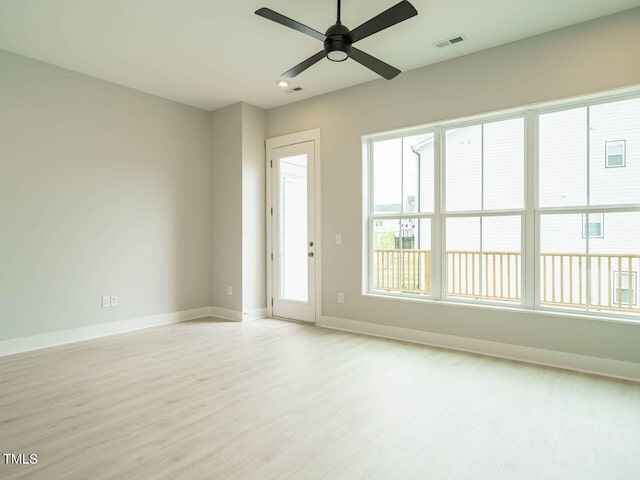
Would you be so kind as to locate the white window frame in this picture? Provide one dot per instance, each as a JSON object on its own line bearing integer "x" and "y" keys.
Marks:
{"x": 607, "y": 154}
{"x": 481, "y": 213}
{"x": 531, "y": 214}
{"x": 371, "y": 217}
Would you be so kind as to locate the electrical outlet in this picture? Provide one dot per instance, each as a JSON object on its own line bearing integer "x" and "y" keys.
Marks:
{"x": 340, "y": 297}
{"x": 115, "y": 301}
{"x": 229, "y": 290}
{"x": 106, "y": 301}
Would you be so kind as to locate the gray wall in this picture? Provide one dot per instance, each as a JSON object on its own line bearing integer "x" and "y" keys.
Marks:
{"x": 103, "y": 190}
{"x": 238, "y": 202}
{"x": 586, "y": 58}
{"x": 254, "y": 274}
{"x": 226, "y": 206}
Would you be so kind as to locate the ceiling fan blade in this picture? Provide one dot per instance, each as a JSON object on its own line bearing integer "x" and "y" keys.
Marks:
{"x": 302, "y": 66}
{"x": 372, "y": 63}
{"x": 287, "y": 22}
{"x": 396, "y": 14}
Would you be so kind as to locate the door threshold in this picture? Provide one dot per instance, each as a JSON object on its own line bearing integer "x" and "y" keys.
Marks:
{"x": 294, "y": 320}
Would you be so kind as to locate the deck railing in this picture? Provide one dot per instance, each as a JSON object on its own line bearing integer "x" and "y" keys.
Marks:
{"x": 500, "y": 272}
{"x": 416, "y": 271}
{"x": 612, "y": 285}
{"x": 612, "y": 281}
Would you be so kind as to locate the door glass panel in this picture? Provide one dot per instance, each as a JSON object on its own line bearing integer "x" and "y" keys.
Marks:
{"x": 294, "y": 267}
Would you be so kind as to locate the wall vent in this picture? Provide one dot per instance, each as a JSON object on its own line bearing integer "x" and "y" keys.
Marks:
{"x": 450, "y": 41}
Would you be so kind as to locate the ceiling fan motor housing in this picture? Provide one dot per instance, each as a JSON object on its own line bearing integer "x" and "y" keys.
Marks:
{"x": 338, "y": 43}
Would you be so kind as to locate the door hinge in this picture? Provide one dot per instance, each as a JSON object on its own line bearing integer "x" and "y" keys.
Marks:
{"x": 271, "y": 161}
{"x": 272, "y": 211}
{"x": 272, "y": 302}
{"x": 272, "y": 256}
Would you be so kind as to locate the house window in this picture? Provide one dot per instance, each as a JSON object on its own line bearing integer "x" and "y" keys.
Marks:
{"x": 593, "y": 225}
{"x": 615, "y": 153}
{"x": 449, "y": 210}
{"x": 624, "y": 288}
{"x": 573, "y": 191}
{"x": 483, "y": 208}
{"x": 401, "y": 212}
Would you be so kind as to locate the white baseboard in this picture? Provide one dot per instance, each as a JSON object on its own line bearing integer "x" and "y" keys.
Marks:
{"x": 255, "y": 313}
{"x": 551, "y": 358}
{"x": 227, "y": 314}
{"x": 35, "y": 342}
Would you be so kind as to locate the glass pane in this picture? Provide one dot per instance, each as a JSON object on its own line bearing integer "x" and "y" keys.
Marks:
{"x": 563, "y": 265}
{"x": 293, "y": 228}
{"x": 463, "y": 257}
{"x": 463, "y": 161}
{"x": 410, "y": 177}
{"x": 501, "y": 259}
{"x": 415, "y": 251}
{"x": 615, "y": 148}
{"x": 612, "y": 125}
{"x": 386, "y": 255}
{"x": 422, "y": 147}
{"x": 614, "y": 264}
{"x": 563, "y": 158}
{"x": 387, "y": 176}
{"x": 423, "y": 244}
{"x": 503, "y": 162}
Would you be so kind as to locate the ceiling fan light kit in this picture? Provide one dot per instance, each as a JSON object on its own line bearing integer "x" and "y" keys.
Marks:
{"x": 336, "y": 44}
{"x": 338, "y": 39}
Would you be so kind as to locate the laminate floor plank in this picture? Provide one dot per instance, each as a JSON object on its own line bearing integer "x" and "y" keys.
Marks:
{"x": 270, "y": 399}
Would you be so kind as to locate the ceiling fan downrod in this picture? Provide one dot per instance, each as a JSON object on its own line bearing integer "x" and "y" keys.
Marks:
{"x": 338, "y": 42}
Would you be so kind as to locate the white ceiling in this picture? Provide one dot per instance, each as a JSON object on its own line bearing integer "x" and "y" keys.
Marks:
{"x": 211, "y": 53}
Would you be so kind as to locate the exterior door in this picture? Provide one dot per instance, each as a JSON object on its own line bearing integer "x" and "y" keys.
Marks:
{"x": 293, "y": 235}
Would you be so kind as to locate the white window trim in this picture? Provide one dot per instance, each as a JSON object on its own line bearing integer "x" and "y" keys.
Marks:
{"x": 585, "y": 230}
{"x": 607, "y": 154}
{"x": 530, "y": 253}
{"x": 615, "y": 286}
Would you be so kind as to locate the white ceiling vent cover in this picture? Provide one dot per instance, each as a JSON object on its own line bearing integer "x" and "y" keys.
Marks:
{"x": 450, "y": 41}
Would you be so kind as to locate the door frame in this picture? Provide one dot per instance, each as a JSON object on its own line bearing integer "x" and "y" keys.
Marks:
{"x": 283, "y": 141}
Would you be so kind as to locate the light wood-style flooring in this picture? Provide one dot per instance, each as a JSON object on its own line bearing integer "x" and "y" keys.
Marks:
{"x": 270, "y": 399}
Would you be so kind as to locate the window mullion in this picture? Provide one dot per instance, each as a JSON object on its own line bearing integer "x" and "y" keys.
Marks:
{"x": 530, "y": 233}
{"x": 587, "y": 281}
{"x": 437, "y": 230}
{"x": 480, "y": 262}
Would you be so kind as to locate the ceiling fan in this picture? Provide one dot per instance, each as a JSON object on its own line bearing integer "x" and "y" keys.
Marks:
{"x": 338, "y": 39}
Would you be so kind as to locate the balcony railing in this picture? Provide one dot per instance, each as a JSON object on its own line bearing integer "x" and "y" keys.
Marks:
{"x": 416, "y": 271}
{"x": 612, "y": 282}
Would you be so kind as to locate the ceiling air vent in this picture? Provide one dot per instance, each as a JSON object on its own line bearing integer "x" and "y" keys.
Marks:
{"x": 293, "y": 90}
{"x": 450, "y": 41}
